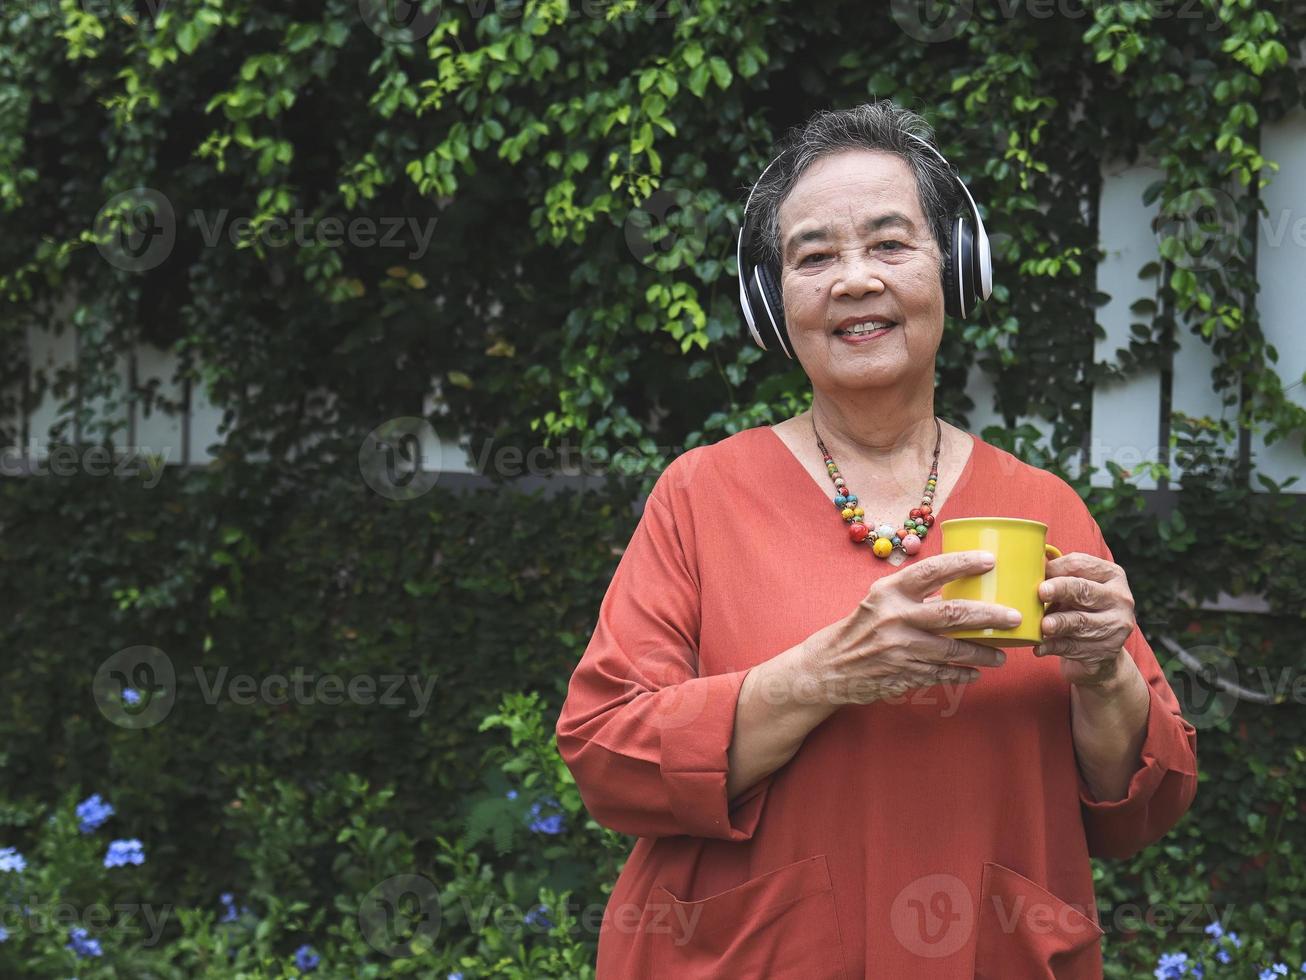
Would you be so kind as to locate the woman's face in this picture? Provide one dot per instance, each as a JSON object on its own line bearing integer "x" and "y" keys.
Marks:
{"x": 854, "y": 241}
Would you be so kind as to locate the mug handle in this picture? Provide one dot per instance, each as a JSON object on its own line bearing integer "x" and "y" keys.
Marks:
{"x": 1050, "y": 551}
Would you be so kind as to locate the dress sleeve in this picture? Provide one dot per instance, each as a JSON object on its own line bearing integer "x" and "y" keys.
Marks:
{"x": 644, "y": 735}
{"x": 1165, "y": 782}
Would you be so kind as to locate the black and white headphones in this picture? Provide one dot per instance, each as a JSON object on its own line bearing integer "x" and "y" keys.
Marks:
{"x": 967, "y": 275}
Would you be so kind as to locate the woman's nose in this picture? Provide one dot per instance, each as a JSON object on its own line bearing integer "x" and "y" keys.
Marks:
{"x": 858, "y": 274}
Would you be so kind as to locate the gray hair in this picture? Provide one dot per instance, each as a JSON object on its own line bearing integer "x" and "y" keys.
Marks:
{"x": 882, "y": 126}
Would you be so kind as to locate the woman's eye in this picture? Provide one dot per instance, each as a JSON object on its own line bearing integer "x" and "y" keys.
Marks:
{"x": 892, "y": 242}
{"x": 813, "y": 255}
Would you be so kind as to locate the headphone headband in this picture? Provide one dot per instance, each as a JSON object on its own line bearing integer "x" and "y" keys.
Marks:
{"x": 968, "y": 271}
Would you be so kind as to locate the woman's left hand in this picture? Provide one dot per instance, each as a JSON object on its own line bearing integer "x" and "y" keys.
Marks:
{"x": 1090, "y": 616}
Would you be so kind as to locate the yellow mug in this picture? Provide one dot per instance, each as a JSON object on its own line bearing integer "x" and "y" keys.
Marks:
{"x": 1020, "y": 551}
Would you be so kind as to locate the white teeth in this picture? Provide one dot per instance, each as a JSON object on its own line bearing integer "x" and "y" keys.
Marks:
{"x": 865, "y": 328}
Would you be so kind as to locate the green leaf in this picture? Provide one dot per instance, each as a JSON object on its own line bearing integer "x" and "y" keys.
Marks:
{"x": 188, "y": 38}
{"x": 721, "y": 72}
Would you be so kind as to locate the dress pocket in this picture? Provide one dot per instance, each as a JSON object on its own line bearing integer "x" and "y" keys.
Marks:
{"x": 780, "y": 925}
{"x": 1027, "y": 932}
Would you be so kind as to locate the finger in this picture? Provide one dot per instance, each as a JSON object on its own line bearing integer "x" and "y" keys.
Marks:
{"x": 1062, "y": 647}
{"x": 953, "y": 675}
{"x": 1083, "y": 565}
{"x": 1081, "y": 593}
{"x": 1069, "y": 650}
{"x": 1080, "y": 625}
{"x": 954, "y": 614}
{"x": 927, "y": 575}
{"x": 938, "y": 650}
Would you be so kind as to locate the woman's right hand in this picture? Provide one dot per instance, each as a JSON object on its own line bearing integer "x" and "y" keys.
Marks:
{"x": 891, "y": 642}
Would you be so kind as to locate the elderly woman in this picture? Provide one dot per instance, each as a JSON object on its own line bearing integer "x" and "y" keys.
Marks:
{"x": 823, "y": 782}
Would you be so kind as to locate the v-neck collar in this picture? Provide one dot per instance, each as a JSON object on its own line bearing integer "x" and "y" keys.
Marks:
{"x": 827, "y": 494}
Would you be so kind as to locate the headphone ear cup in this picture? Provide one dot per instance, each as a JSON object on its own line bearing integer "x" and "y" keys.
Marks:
{"x": 775, "y": 308}
{"x": 951, "y": 304}
{"x": 967, "y": 273}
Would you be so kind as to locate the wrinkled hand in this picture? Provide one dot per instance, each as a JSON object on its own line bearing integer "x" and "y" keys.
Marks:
{"x": 1090, "y": 616}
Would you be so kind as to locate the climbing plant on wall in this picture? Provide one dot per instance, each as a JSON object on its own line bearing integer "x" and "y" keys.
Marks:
{"x": 523, "y": 214}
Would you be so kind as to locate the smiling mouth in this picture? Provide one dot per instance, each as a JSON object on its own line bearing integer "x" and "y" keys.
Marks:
{"x": 861, "y": 328}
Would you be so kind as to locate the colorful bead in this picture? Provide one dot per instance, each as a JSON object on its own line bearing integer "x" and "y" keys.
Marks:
{"x": 885, "y": 537}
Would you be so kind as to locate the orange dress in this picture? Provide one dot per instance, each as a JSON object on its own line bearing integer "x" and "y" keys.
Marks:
{"x": 930, "y": 836}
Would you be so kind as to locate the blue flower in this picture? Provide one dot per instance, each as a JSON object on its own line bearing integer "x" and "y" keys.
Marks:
{"x": 552, "y": 824}
{"x": 131, "y": 696}
{"x": 1199, "y": 971}
{"x": 1215, "y": 930}
{"x": 512, "y": 795}
{"x": 11, "y": 860}
{"x": 82, "y": 946}
{"x": 92, "y": 812}
{"x": 4, "y": 934}
{"x": 537, "y": 917}
{"x": 1171, "y": 965}
{"x": 124, "y": 852}
{"x": 1236, "y": 941}
{"x": 306, "y": 959}
{"x": 456, "y": 975}
{"x": 1223, "y": 955}
{"x": 231, "y": 915}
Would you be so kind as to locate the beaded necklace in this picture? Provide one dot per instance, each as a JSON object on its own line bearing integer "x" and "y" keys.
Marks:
{"x": 885, "y": 538}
